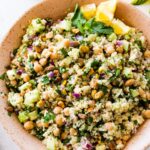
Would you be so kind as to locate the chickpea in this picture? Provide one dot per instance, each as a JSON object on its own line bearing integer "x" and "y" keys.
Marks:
{"x": 65, "y": 75}
{"x": 142, "y": 93}
{"x": 49, "y": 35}
{"x": 64, "y": 135}
{"x": 37, "y": 49}
{"x": 54, "y": 56}
{"x": 43, "y": 61}
{"x": 57, "y": 110}
{"x": 37, "y": 67}
{"x": 40, "y": 104}
{"x": 108, "y": 105}
{"x": 148, "y": 95}
{"x": 75, "y": 30}
{"x": 29, "y": 125}
{"x": 130, "y": 82}
{"x": 61, "y": 104}
{"x": 66, "y": 111}
{"x": 90, "y": 109}
{"x": 25, "y": 77}
{"x": 119, "y": 49}
{"x": 66, "y": 43}
{"x": 109, "y": 50}
{"x": 146, "y": 114}
{"x": 84, "y": 49}
{"x": 73, "y": 132}
{"x": 94, "y": 83}
{"x": 126, "y": 137}
{"x": 97, "y": 50}
{"x": 42, "y": 124}
{"x": 92, "y": 103}
{"x": 109, "y": 125}
{"x": 98, "y": 95}
{"x": 93, "y": 93}
{"x": 13, "y": 82}
{"x": 60, "y": 120}
{"x": 82, "y": 116}
{"x": 9, "y": 108}
{"x": 81, "y": 62}
{"x": 56, "y": 132}
{"x": 147, "y": 54}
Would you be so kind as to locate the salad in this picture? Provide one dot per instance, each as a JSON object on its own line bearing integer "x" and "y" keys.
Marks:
{"x": 81, "y": 83}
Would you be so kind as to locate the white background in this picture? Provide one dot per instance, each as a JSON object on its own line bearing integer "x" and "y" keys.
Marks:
{"x": 10, "y": 10}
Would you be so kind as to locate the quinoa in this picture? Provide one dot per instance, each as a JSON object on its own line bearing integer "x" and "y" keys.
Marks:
{"x": 77, "y": 89}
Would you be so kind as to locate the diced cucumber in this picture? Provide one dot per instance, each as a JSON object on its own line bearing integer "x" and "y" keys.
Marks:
{"x": 15, "y": 99}
{"x": 25, "y": 86}
{"x": 112, "y": 37}
{"x": 126, "y": 45}
{"x": 11, "y": 74}
{"x": 128, "y": 72}
{"x": 33, "y": 115}
{"x": 31, "y": 97}
{"x": 65, "y": 25}
{"x": 36, "y": 26}
{"x": 23, "y": 116}
{"x": 134, "y": 93}
{"x": 52, "y": 143}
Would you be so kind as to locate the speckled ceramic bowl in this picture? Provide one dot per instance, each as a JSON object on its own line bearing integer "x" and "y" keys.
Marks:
{"x": 57, "y": 9}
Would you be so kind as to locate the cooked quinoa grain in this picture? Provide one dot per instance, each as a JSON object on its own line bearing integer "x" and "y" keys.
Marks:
{"x": 77, "y": 89}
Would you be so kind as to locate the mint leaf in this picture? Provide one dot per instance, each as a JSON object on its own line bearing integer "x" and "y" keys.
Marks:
{"x": 2, "y": 76}
{"x": 78, "y": 20}
{"x": 138, "y": 2}
{"x": 48, "y": 117}
{"x": 45, "y": 80}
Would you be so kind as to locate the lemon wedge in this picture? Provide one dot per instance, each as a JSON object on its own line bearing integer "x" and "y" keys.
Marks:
{"x": 119, "y": 27}
{"x": 105, "y": 11}
{"x": 88, "y": 10}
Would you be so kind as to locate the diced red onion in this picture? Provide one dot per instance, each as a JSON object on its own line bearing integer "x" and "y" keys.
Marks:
{"x": 52, "y": 63}
{"x": 119, "y": 43}
{"x": 19, "y": 72}
{"x": 79, "y": 37}
{"x": 76, "y": 95}
{"x": 86, "y": 145}
{"x": 51, "y": 74}
{"x": 74, "y": 43}
{"x": 30, "y": 48}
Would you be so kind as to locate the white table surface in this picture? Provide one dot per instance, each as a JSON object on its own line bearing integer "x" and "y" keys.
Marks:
{"x": 10, "y": 10}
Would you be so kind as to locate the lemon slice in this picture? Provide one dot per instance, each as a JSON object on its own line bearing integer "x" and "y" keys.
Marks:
{"x": 88, "y": 10}
{"x": 105, "y": 11}
{"x": 119, "y": 27}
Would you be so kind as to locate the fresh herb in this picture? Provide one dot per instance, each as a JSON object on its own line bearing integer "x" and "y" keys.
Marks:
{"x": 15, "y": 51}
{"x": 147, "y": 75}
{"x": 89, "y": 120}
{"x": 97, "y": 27}
{"x": 2, "y": 76}
{"x": 78, "y": 20}
{"x": 138, "y": 2}
{"x": 49, "y": 116}
{"x": 103, "y": 88}
{"x": 58, "y": 90}
{"x": 39, "y": 133}
{"x": 70, "y": 87}
{"x": 95, "y": 64}
{"x": 117, "y": 72}
{"x": 45, "y": 80}
{"x": 62, "y": 69}
{"x": 90, "y": 26}
{"x": 135, "y": 122}
{"x": 64, "y": 52}
{"x": 86, "y": 71}
{"x": 67, "y": 140}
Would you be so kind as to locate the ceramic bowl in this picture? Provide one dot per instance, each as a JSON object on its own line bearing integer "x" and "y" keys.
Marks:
{"x": 57, "y": 9}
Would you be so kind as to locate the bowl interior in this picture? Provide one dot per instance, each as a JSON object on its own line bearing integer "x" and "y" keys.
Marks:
{"x": 57, "y": 9}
